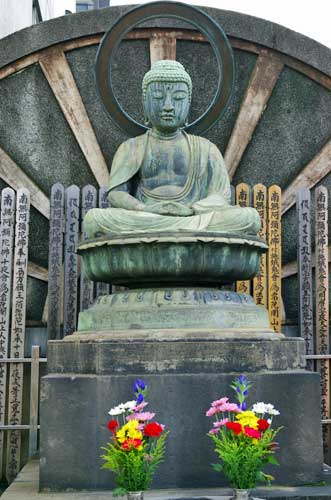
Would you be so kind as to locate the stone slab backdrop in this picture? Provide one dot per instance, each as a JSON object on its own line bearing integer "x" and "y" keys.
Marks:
{"x": 51, "y": 133}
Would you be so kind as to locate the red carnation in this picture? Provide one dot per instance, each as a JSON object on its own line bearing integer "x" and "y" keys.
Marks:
{"x": 153, "y": 429}
{"x": 112, "y": 426}
{"x": 131, "y": 443}
{"x": 234, "y": 427}
{"x": 263, "y": 424}
{"x": 252, "y": 433}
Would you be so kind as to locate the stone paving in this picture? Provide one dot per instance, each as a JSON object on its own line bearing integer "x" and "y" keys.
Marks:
{"x": 25, "y": 487}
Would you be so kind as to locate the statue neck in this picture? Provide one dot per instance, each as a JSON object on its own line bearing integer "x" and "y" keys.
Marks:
{"x": 165, "y": 136}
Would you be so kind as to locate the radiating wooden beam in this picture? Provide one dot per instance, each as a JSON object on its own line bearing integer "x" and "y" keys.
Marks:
{"x": 190, "y": 35}
{"x": 309, "y": 176}
{"x": 291, "y": 268}
{"x": 26, "y": 61}
{"x": 162, "y": 46}
{"x": 14, "y": 176}
{"x": 264, "y": 77}
{"x": 38, "y": 272}
{"x": 60, "y": 78}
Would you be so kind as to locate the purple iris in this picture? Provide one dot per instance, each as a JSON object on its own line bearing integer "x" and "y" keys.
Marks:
{"x": 140, "y": 398}
{"x": 243, "y": 406}
{"x": 242, "y": 379}
{"x": 139, "y": 385}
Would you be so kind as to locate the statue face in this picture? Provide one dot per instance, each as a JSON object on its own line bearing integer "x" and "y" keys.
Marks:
{"x": 167, "y": 105}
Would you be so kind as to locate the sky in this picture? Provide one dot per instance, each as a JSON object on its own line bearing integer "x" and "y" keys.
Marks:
{"x": 311, "y": 18}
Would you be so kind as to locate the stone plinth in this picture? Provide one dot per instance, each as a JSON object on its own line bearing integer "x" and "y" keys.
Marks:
{"x": 90, "y": 373}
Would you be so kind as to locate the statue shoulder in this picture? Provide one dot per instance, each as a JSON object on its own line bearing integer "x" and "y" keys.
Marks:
{"x": 132, "y": 144}
{"x": 206, "y": 144}
{"x": 127, "y": 160}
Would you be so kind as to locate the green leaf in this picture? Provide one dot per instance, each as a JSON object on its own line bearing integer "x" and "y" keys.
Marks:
{"x": 272, "y": 460}
{"x": 217, "y": 467}
{"x": 119, "y": 492}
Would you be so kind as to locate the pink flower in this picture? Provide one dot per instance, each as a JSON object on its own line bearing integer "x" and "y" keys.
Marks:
{"x": 140, "y": 406}
{"x": 213, "y": 431}
{"x": 231, "y": 407}
{"x": 212, "y": 411}
{"x": 220, "y": 402}
{"x": 142, "y": 417}
{"x": 220, "y": 423}
{"x": 222, "y": 407}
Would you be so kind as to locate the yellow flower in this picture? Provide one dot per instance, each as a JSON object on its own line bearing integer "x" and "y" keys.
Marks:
{"x": 129, "y": 430}
{"x": 248, "y": 419}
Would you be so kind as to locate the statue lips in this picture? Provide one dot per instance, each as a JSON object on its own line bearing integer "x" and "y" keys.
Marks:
{"x": 167, "y": 116}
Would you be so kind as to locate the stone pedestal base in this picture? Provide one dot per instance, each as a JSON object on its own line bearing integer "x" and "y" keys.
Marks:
{"x": 90, "y": 374}
{"x": 175, "y": 308}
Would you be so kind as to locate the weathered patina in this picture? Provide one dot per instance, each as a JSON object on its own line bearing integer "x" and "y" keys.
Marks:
{"x": 166, "y": 179}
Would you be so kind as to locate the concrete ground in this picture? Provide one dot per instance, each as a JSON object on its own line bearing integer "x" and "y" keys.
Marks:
{"x": 25, "y": 487}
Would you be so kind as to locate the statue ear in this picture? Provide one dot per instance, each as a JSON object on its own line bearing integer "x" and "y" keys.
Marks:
{"x": 146, "y": 117}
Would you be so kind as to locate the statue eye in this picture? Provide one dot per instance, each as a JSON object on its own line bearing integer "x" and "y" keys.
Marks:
{"x": 157, "y": 95}
{"x": 179, "y": 96}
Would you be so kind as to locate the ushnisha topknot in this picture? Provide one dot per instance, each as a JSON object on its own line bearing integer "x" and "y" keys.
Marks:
{"x": 167, "y": 71}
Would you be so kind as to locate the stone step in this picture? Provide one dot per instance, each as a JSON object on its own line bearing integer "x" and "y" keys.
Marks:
{"x": 26, "y": 485}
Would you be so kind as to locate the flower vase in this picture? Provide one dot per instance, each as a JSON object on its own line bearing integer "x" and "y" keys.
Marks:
{"x": 135, "y": 495}
{"x": 241, "y": 494}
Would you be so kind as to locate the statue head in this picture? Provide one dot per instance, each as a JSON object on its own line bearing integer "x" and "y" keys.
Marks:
{"x": 167, "y": 93}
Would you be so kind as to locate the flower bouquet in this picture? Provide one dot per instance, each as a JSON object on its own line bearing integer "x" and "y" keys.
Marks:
{"x": 137, "y": 446}
{"x": 244, "y": 439}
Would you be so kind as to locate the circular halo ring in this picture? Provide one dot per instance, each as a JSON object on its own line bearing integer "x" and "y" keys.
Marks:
{"x": 204, "y": 23}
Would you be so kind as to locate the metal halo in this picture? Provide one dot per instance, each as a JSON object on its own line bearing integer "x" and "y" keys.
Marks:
{"x": 204, "y": 23}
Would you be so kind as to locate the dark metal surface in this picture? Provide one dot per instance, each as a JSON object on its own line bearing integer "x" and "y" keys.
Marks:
{"x": 212, "y": 31}
{"x": 103, "y": 288}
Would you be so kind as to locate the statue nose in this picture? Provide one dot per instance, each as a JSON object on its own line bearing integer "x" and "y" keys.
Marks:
{"x": 168, "y": 105}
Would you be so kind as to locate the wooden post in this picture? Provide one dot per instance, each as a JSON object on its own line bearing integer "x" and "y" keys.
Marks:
{"x": 243, "y": 199}
{"x": 305, "y": 272}
{"x": 89, "y": 200}
{"x": 233, "y": 195}
{"x": 71, "y": 259}
{"x": 162, "y": 46}
{"x": 56, "y": 225}
{"x": 6, "y": 263}
{"x": 260, "y": 281}
{"x": 103, "y": 288}
{"x": 322, "y": 308}
{"x": 34, "y": 401}
{"x": 18, "y": 332}
{"x": 275, "y": 258}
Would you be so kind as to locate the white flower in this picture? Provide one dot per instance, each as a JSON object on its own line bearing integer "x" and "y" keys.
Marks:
{"x": 130, "y": 405}
{"x": 262, "y": 408}
{"x": 122, "y": 408}
{"x": 117, "y": 410}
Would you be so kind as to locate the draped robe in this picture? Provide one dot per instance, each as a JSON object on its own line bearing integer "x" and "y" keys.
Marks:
{"x": 207, "y": 188}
